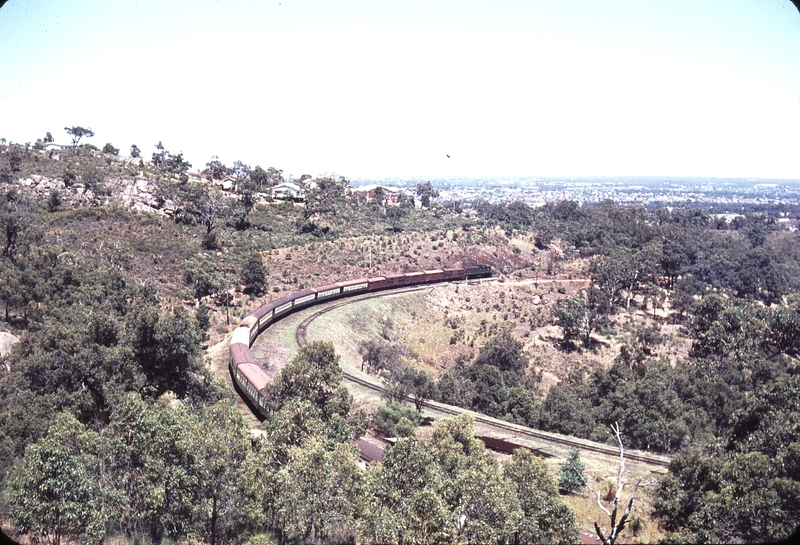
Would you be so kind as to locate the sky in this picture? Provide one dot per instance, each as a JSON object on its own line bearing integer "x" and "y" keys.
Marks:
{"x": 416, "y": 89}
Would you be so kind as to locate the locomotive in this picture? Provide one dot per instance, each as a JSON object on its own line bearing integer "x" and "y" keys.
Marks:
{"x": 252, "y": 380}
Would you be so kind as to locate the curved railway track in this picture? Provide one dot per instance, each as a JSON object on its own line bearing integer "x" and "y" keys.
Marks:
{"x": 300, "y": 337}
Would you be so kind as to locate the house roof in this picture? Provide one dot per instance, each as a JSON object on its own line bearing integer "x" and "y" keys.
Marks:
{"x": 287, "y": 186}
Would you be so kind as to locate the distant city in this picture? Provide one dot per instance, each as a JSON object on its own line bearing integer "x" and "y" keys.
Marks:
{"x": 714, "y": 195}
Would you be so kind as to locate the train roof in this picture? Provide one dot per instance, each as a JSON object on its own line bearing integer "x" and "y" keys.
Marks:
{"x": 303, "y": 293}
{"x": 283, "y": 300}
{"x": 255, "y": 375}
{"x": 376, "y": 279}
{"x": 241, "y": 354}
{"x": 327, "y": 287}
{"x": 241, "y": 335}
{"x": 433, "y": 271}
{"x": 261, "y": 311}
{"x": 250, "y": 320}
{"x": 369, "y": 452}
{"x": 352, "y": 282}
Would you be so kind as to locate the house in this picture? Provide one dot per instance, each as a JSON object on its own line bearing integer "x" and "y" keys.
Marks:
{"x": 228, "y": 183}
{"x": 288, "y": 191}
{"x": 58, "y": 147}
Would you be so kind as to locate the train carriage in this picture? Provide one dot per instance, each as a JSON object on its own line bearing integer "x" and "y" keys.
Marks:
{"x": 241, "y": 335}
{"x": 253, "y": 382}
{"x": 417, "y": 277}
{"x": 240, "y": 354}
{"x": 353, "y": 286}
{"x": 479, "y": 271}
{"x": 436, "y": 275}
{"x": 393, "y": 280}
{"x": 304, "y": 298}
{"x": 377, "y": 283}
{"x": 331, "y": 291}
{"x": 283, "y": 305}
{"x": 264, "y": 315}
{"x": 454, "y": 274}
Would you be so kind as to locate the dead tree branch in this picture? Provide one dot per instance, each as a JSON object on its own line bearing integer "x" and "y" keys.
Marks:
{"x": 616, "y": 527}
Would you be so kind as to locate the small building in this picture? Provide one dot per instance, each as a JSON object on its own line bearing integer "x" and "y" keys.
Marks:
{"x": 368, "y": 453}
{"x": 228, "y": 183}
{"x": 50, "y": 146}
{"x": 288, "y": 191}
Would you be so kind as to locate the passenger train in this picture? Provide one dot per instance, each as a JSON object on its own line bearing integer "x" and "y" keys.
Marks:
{"x": 252, "y": 380}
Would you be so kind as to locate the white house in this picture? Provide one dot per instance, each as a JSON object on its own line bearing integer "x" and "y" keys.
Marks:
{"x": 288, "y": 191}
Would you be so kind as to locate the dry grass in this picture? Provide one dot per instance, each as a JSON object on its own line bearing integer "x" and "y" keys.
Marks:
{"x": 641, "y": 528}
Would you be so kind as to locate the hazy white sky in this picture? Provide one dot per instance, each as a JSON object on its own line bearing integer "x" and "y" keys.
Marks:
{"x": 392, "y": 87}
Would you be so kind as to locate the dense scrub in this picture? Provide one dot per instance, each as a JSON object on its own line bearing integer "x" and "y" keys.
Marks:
{"x": 110, "y": 424}
{"x": 730, "y": 409}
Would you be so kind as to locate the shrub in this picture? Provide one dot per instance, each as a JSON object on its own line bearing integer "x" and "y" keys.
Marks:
{"x": 54, "y": 201}
{"x": 254, "y": 275}
{"x": 572, "y": 474}
{"x": 110, "y": 149}
{"x": 389, "y": 416}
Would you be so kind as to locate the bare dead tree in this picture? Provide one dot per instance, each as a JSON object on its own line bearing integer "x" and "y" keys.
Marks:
{"x": 616, "y": 526}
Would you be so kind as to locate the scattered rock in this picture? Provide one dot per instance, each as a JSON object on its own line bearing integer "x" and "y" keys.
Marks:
{"x": 7, "y": 340}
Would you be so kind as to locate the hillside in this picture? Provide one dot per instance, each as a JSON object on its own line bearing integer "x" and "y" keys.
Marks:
{"x": 117, "y": 273}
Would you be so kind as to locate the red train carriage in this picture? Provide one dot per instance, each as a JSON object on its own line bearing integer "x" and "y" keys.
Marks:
{"x": 454, "y": 274}
{"x": 331, "y": 291}
{"x": 377, "y": 283}
{"x": 304, "y": 298}
{"x": 283, "y": 305}
{"x": 413, "y": 278}
{"x": 434, "y": 276}
{"x": 253, "y": 381}
{"x": 393, "y": 280}
{"x": 351, "y": 287}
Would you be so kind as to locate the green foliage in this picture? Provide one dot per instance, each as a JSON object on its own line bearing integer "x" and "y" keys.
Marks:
{"x": 55, "y": 492}
{"x": 254, "y": 275}
{"x": 69, "y": 177}
{"x": 15, "y": 159}
{"x": 378, "y": 356}
{"x": 572, "y": 475}
{"x": 306, "y": 399}
{"x": 54, "y": 200}
{"x": 451, "y": 489}
{"x": 200, "y": 275}
{"x": 110, "y": 149}
{"x": 426, "y": 192}
{"x": 495, "y": 383}
{"x": 571, "y": 314}
{"x": 203, "y": 318}
{"x": 77, "y": 132}
{"x": 402, "y": 380}
{"x": 546, "y": 518}
{"x": 92, "y": 177}
{"x": 388, "y": 416}
{"x": 168, "y": 162}
{"x": 739, "y": 499}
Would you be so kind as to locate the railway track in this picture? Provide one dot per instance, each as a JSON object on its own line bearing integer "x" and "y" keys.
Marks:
{"x": 565, "y": 441}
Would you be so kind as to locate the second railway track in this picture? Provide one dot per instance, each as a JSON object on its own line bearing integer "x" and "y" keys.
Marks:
{"x": 564, "y": 441}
